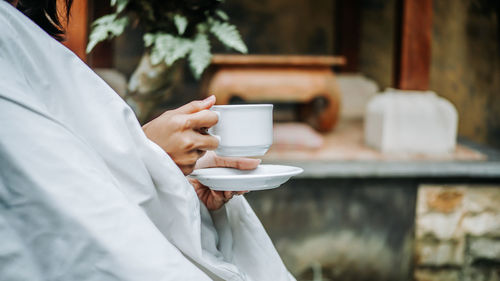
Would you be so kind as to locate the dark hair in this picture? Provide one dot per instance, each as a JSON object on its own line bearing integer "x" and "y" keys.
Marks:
{"x": 44, "y": 13}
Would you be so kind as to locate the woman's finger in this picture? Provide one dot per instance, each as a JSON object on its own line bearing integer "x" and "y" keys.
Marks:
{"x": 194, "y": 182}
{"x": 193, "y": 141}
{"x": 228, "y": 195}
{"x": 196, "y": 105}
{"x": 186, "y": 169}
{"x": 201, "y": 153}
{"x": 187, "y": 157}
{"x": 202, "y": 119}
{"x": 238, "y": 163}
{"x": 207, "y": 161}
{"x": 203, "y": 142}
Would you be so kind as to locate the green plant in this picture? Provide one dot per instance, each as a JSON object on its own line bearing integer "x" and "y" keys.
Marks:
{"x": 174, "y": 29}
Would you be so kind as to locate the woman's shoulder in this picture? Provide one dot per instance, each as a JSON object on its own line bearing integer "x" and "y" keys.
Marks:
{"x": 7, "y": 12}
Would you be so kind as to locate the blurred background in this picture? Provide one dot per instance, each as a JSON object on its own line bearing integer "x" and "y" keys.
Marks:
{"x": 392, "y": 107}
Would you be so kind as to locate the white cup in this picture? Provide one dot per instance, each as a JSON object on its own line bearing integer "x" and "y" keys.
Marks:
{"x": 243, "y": 129}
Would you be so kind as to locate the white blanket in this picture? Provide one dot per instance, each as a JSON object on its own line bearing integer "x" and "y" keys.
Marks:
{"x": 84, "y": 195}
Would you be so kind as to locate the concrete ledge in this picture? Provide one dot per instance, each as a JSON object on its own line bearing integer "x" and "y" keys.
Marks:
{"x": 490, "y": 170}
{"x": 487, "y": 169}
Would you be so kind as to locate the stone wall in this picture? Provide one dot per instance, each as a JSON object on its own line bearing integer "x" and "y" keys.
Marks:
{"x": 384, "y": 229}
{"x": 466, "y": 64}
{"x": 378, "y": 24}
{"x": 341, "y": 229}
{"x": 284, "y": 26}
{"x": 457, "y": 235}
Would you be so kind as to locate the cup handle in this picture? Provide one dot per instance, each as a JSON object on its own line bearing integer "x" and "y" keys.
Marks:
{"x": 211, "y": 131}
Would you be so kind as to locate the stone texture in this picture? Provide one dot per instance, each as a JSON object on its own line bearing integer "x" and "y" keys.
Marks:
{"x": 440, "y": 253}
{"x": 483, "y": 248}
{"x": 457, "y": 232}
{"x": 440, "y": 226}
{"x": 495, "y": 275}
{"x": 347, "y": 229}
{"x": 486, "y": 223}
{"x": 378, "y": 24}
{"x": 436, "y": 275}
{"x": 466, "y": 64}
{"x": 344, "y": 255}
{"x": 267, "y": 33}
{"x": 445, "y": 200}
{"x": 483, "y": 199}
{"x": 480, "y": 274}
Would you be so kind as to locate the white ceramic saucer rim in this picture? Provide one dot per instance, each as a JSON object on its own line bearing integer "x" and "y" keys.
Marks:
{"x": 291, "y": 173}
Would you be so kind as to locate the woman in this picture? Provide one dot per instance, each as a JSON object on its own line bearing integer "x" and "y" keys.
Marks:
{"x": 87, "y": 194}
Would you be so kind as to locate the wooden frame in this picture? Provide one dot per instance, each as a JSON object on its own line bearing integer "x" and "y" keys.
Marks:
{"x": 413, "y": 45}
{"x": 348, "y": 31}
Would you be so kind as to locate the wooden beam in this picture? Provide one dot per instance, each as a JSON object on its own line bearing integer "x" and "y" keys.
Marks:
{"x": 413, "y": 45}
{"x": 77, "y": 29}
{"x": 102, "y": 54}
{"x": 347, "y": 29}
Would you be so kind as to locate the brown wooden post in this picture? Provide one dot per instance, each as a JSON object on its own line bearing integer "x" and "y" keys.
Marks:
{"x": 347, "y": 29}
{"x": 77, "y": 29}
{"x": 413, "y": 45}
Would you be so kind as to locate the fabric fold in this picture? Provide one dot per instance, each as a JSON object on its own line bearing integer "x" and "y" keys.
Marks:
{"x": 100, "y": 201}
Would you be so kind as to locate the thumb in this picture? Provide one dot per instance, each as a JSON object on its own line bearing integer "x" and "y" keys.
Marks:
{"x": 197, "y": 105}
{"x": 238, "y": 163}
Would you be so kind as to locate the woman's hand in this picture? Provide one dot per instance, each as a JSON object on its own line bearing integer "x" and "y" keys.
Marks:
{"x": 212, "y": 199}
{"x": 212, "y": 160}
{"x": 182, "y": 132}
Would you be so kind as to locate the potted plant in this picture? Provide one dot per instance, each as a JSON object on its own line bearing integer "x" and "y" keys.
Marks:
{"x": 173, "y": 30}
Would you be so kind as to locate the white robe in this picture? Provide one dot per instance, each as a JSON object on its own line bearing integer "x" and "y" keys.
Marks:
{"x": 84, "y": 195}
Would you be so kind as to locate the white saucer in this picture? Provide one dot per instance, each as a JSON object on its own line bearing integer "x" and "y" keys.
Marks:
{"x": 229, "y": 179}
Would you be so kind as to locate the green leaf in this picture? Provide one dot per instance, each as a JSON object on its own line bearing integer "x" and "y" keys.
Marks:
{"x": 149, "y": 39}
{"x": 180, "y": 23}
{"x": 200, "y": 56}
{"x": 156, "y": 56}
{"x": 106, "y": 27}
{"x": 222, "y": 15}
{"x": 168, "y": 48}
{"x": 120, "y": 5}
{"x": 228, "y": 35}
{"x": 202, "y": 28}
